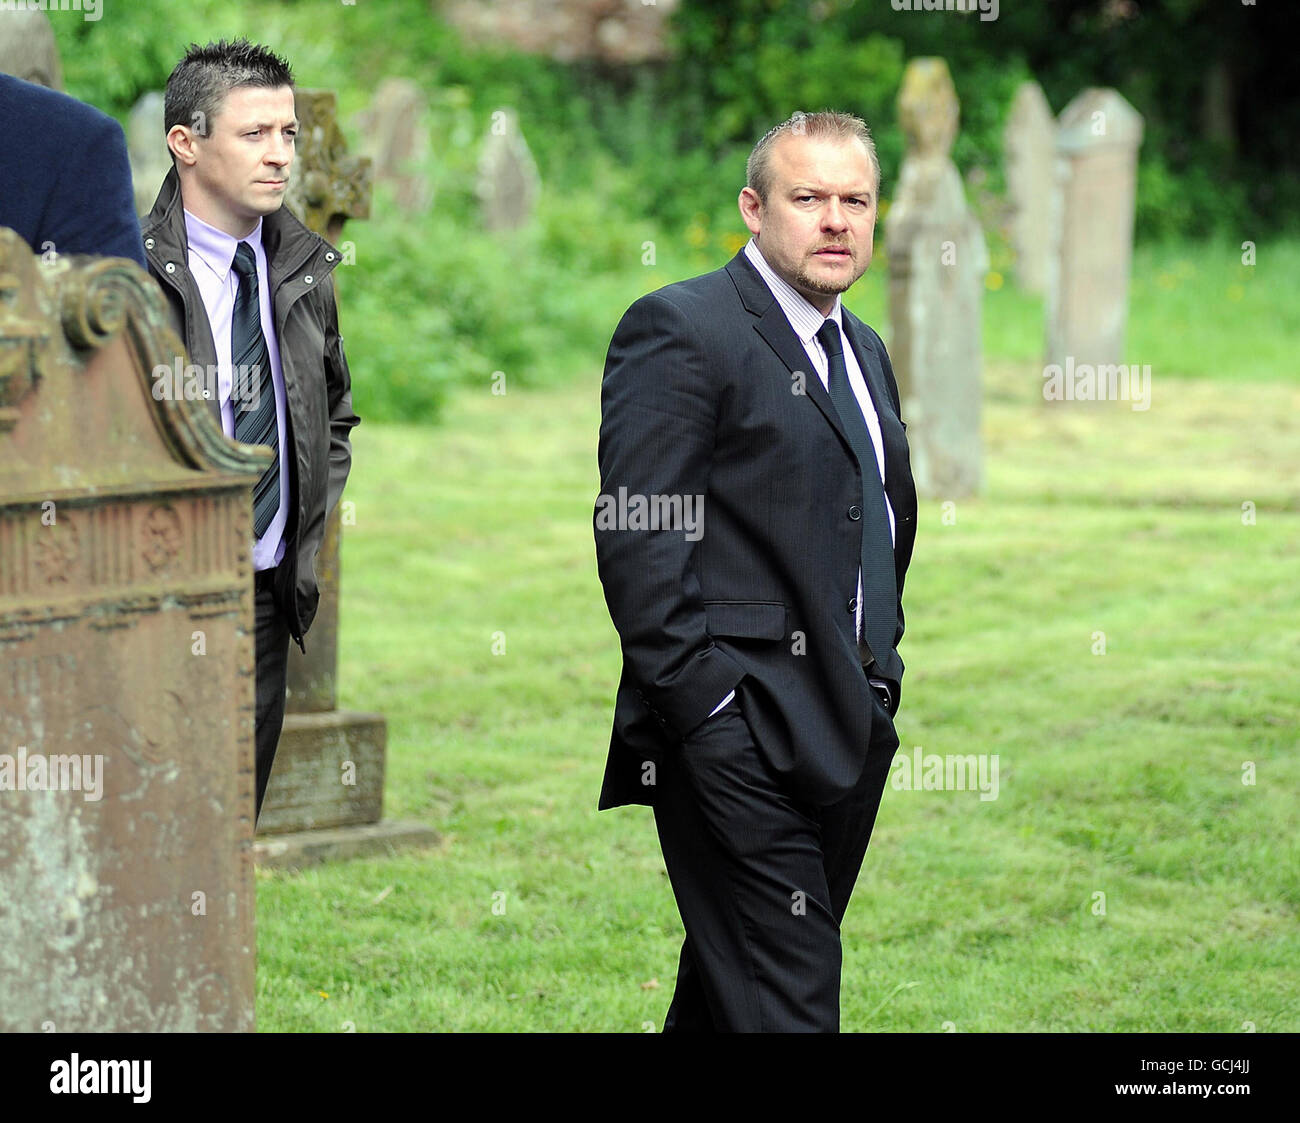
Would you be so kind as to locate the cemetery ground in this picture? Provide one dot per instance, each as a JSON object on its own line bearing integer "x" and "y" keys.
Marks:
{"x": 1103, "y": 619}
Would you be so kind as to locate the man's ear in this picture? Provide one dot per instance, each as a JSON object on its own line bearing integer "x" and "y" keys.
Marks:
{"x": 751, "y": 209}
{"x": 183, "y": 143}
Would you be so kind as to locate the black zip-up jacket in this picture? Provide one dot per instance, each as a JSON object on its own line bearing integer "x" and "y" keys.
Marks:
{"x": 318, "y": 386}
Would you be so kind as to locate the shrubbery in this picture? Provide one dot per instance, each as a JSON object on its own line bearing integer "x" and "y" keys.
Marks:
{"x": 656, "y": 154}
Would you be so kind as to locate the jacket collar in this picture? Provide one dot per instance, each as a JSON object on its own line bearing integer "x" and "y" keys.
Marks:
{"x": 290, "y": 247}
{"x": 773, "y": 326}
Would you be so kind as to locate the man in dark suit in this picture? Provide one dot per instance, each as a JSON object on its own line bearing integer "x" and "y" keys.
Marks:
{"x": 753, "y": 567}
{"x": 250, "y": 293}
{"x": 65, "y": 182}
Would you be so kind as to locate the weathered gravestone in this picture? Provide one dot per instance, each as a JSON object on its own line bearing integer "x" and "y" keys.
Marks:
{"x": 396, "y": 132}
{"x": 126, "y": 666}
{"x": 325, "y": 796}
{"x": 1029, "y": 155}
{"x": 27, "y": 47}
{"x": 613, "y": 31}
{"x": 146, "y": 146}
{"x": 508, "y": 183}
{"x": 937, "y": 262}
{"x": 1092, "y": 231}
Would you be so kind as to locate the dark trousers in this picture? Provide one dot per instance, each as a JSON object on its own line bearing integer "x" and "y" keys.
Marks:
{"x": 761, "y": 879}
{"x": 272, "y": 668}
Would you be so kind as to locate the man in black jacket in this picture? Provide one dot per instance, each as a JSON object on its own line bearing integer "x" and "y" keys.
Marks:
{"x": 753, "y": 565}
{"x": 250, "y": 293}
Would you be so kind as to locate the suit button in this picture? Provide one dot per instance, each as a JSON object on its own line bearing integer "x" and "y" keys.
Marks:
{"x": 853, "y": 605}
{"x": 855, "y": 512}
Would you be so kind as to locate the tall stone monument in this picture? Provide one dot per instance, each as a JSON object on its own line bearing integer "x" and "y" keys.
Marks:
{"x": 325, "y": 795}
{"x": 1097, "y": 141}
{"x": 27, "y": 47}
{"x": 126, "y": 665}
{"x": 326, "y": 187}
{"x": 1029, "y": 155}
{"x": 508, "y": 183}
{"x": 937, "y": 262}
{"x": 396, "y": 136}
{"x": 146, "y": 146}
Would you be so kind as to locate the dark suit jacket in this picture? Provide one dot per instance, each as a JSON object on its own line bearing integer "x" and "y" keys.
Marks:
{"x": 700, "y": 397}
{"x": 317, "y": 383}
{"x": 64, "y": 175}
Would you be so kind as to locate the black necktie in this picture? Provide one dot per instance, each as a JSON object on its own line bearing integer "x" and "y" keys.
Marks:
{"x": 879, "y": 585}
{"x": 254, "y": 424}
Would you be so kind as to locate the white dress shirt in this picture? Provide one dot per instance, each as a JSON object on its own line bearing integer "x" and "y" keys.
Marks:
{"x": 211, "y": 255}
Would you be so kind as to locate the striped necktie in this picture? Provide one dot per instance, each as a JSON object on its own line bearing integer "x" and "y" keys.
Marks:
{"x": 255, "y": 421}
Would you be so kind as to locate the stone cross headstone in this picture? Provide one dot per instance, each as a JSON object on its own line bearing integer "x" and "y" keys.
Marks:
{"x": 396, "y": 132}
{"x": 1097, "y": 142}
{"x": 126, "y": 665}
{"x": 1029, "y": 155}
{"x": 937, "y": 263}
{"x": 508, "y": 183}
{"x": 146, "y": 145}
{"x": 326, "y": 187}
{"x": 325, "y": 794}
{"x": 27, "y": 47}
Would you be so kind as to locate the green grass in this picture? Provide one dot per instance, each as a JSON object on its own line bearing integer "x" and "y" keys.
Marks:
{"x": 1120, "y": 773}
{"x": 426, "y": 305}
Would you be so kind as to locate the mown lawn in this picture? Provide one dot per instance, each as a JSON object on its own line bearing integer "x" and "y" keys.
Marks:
{"x": 1125, "y": 879}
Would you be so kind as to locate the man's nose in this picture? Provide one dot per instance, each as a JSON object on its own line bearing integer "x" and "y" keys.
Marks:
{"x": 280, "y": 151}
{"x": 834, "y": 217}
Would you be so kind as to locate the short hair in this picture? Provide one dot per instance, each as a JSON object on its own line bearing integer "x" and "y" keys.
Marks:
{"x": 828, "y": 123}
{"x": 197, "y": 87}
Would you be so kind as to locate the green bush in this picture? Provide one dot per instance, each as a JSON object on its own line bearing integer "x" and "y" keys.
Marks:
{"x": 641, "y": 166}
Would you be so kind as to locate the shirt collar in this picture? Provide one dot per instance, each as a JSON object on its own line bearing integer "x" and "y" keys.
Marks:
{"x": 215, "y": 248}
{"x": 803, "y": 317}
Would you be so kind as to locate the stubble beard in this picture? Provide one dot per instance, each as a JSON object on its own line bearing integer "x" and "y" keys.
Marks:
{"x": 828, "y": 288}
{"x": 825, "y": 286}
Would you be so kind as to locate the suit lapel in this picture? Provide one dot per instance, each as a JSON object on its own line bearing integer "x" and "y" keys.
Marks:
{"x": 779, "y": 335}
{"x": 898, "y": 472}
{"x": 891, "y": 426}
